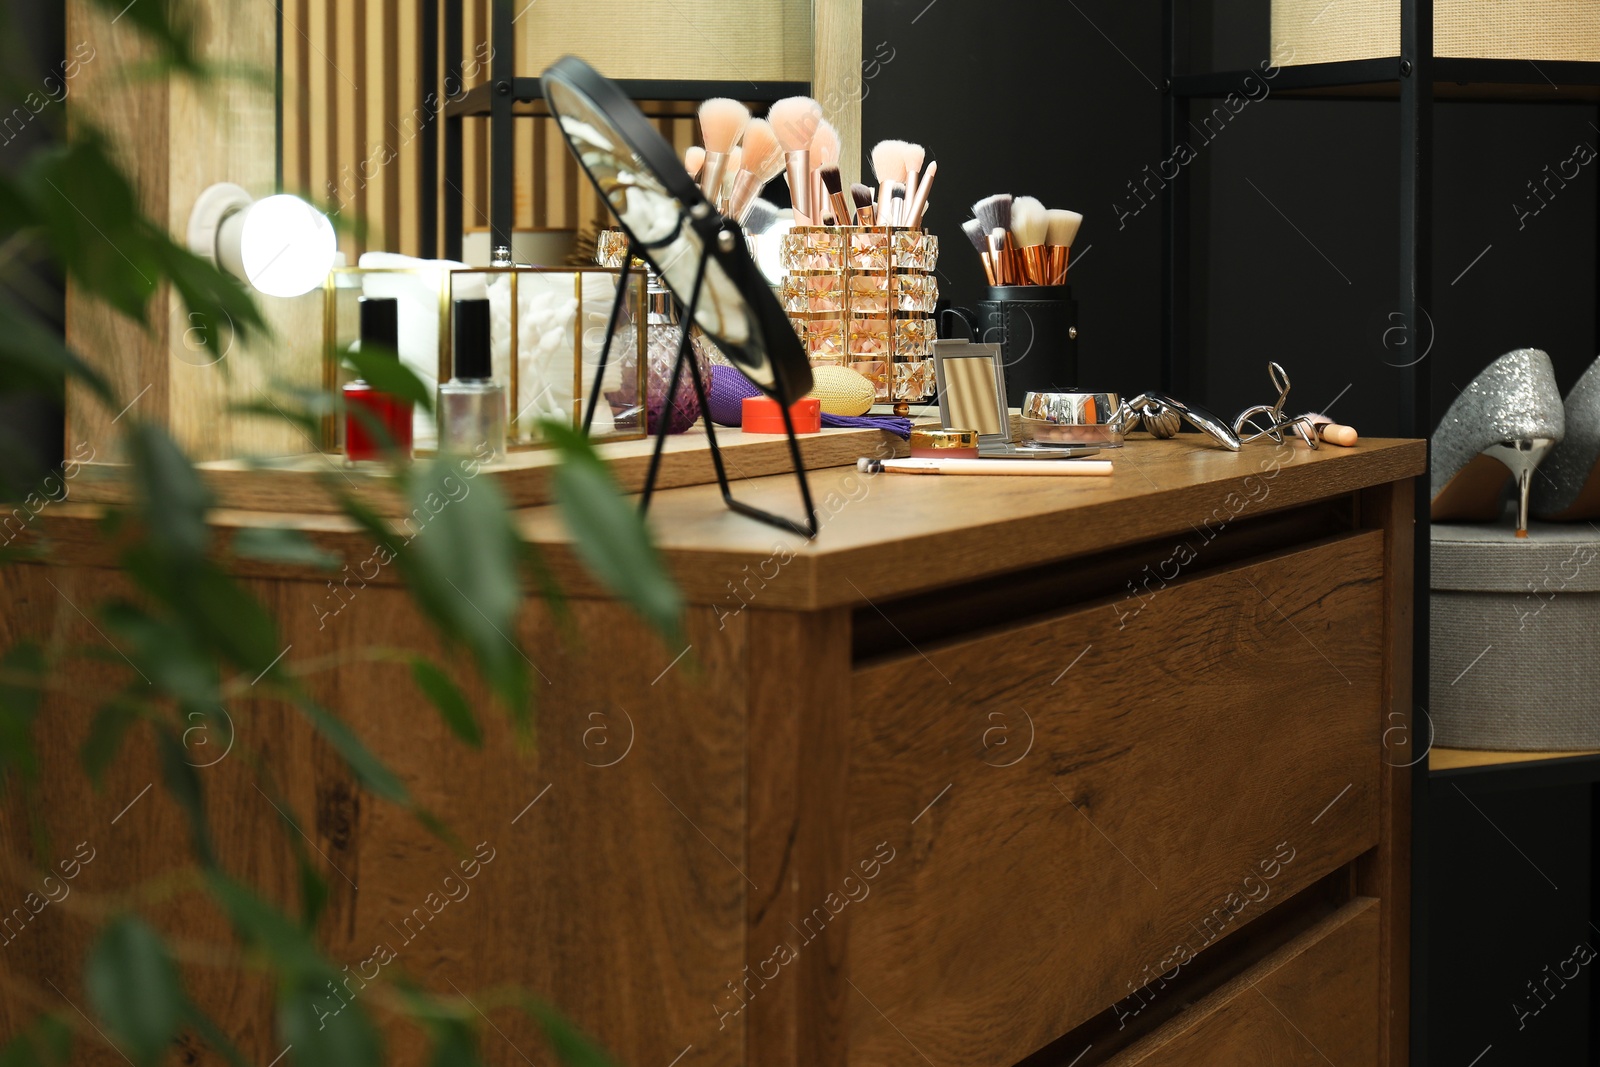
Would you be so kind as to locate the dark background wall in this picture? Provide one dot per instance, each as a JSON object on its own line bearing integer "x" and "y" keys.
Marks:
{"x": 32, "y": 47}
{"x": 1295, "y": 204}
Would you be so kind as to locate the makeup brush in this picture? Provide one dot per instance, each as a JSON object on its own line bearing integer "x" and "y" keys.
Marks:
{"x": 722, "y": 121}
{"x": 694, "y": 158}
{"x": 795, "y": 121}
{"x": 862, "y": 196}
{"x": 919, "y": 199}
{"x": 894, "y": 210}
{"x": 980, "y": 241}
{"x": 729, "y": 173}
{"x": 995, "y": 214}
{"x": 997, "y": 252}
{"x": 888, "y": 165}
{"x": 1063, "y": 228}
{"x": 825, "y": 153}
{"x": 1332, "y": 432}
{"x": 833, "y": 182}
{"x": 1029, "y": 227}
{"x": 759, "y": 215}
{"x": 913, "y": 155}
{"x": 761, "y": 160}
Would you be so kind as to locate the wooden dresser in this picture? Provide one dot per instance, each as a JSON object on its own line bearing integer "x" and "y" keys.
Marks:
{"x": 996, "y": 771}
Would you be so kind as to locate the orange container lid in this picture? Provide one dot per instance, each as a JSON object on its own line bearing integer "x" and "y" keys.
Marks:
{"x": 762, "y": 415}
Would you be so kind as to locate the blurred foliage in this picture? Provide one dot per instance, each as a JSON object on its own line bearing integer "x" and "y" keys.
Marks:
{"x": 190, "y": 631}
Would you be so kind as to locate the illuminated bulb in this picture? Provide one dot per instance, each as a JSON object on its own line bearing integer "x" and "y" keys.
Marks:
{"x": 280, "y": 245}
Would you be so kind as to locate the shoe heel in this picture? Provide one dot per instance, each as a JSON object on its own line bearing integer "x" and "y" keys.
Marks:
{"x": 1521, "y": 457}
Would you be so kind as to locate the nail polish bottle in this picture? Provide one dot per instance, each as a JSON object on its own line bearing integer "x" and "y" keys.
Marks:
{"x": 363, "y": 443}
{"x": 472, "y": 405}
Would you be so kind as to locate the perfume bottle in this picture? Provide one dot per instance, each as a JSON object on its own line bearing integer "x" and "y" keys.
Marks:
{"x": 367, "y": 409}
{"x": 472, "y": 405}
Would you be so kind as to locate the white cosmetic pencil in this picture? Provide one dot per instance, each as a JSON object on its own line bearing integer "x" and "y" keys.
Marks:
{"x": 1057, "y": 468}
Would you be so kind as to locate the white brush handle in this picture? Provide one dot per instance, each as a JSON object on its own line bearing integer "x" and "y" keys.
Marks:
{"x": 1061, "y": 468}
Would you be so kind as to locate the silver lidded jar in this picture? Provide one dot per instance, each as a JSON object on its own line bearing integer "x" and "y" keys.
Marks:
{"x": 472, "y": 405}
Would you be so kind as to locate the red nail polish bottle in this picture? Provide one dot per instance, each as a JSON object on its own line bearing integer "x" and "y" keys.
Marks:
{"x": 380, "y": 332}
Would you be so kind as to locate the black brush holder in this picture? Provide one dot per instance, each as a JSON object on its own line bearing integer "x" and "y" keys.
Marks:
{"x": 1036, "y": 327}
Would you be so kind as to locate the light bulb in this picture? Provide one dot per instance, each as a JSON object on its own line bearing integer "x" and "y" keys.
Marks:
{"x": 280, "y": 245}
{"x": 286, "y": 246}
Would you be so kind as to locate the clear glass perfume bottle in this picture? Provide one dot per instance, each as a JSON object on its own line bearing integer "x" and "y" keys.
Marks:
{"x": 472, "y": 405}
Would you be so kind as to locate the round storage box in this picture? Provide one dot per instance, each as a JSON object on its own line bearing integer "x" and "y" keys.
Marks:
{"x": 1516, "y": 637}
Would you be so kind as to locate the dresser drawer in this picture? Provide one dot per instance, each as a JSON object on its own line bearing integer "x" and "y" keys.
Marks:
{"x": 1310, "y": 1003}
{"x": 1063, "y": 835}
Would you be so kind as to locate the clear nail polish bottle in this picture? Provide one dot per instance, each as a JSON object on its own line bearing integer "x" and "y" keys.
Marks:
{"x": 472, "y": 405}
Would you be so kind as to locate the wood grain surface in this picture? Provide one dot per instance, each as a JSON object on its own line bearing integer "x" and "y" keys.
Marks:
{"x": 302, "y": 482}
{"x": 615, "y": 885}
{"x": 1306, "y": 1005}
{"x": 886, "y": 535}
{"x": 1084, "y": 794}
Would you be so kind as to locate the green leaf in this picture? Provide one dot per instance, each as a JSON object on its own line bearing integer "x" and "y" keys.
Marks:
{"x": 572, "y": 1047}
{"x": 133, "y": 985}
{"x": 48, "y": 1043}
{"x": 171, "y": 27}
{"x": 383, "y": 370}
{"x": 325, "y": 1029}
{"x": 164, "y": 652}
{"x": 454, "y": 1045}
{"x": 217, "y": 615}
{"x": 110, "y": 725}
{"x": 368, "y": 769}
{"x": 22, "y": 677}
{"x": 313, "y": 890}
{"x": 172, "y": 500}
{"x": 609, "y": 534}
{"x": 269, "y": 931}
{"x": 34, "y": 358}
{"x": 213, "y": 1036}
{"x": 181, "y": 780}
{"x": 452, "y": 704}
{"x": 461, "y": 562}
{"x": 280, "y": 544}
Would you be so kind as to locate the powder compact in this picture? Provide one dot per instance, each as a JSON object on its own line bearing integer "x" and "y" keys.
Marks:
{"x": 1056, "y": 419}
{"x": 944, "y": 444}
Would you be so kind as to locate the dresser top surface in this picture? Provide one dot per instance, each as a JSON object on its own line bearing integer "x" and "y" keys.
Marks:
{"x": 891, "y": 534}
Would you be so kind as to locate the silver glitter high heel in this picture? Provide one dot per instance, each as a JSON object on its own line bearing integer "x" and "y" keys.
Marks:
{"x": 1506, "y": 420}
{"x": 1567, "y": 487}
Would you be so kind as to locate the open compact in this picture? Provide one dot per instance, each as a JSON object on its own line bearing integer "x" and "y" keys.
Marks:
{"x": 1053, "y": 420}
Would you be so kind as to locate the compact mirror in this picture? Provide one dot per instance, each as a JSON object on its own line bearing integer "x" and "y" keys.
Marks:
{"x": 674, "y": 229}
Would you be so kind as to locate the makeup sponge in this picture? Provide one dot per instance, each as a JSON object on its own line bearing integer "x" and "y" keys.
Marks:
{"x": 841, "y": 390}
{"x": 725, "y": 395}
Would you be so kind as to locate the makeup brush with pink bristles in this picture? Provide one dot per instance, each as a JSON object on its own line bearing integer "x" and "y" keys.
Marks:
{"x": 795, "y": 120}
{"x": 760, "y": 162}
{"x": 722, "y": 123}
{"x": 824, "y": 155}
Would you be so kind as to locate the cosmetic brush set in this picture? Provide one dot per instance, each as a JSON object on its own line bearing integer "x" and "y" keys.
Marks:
{"x": 741, "y": 154}
{"x": 1020, "y": 241}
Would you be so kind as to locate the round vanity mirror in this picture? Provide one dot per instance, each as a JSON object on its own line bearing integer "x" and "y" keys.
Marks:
{"x": 674, "y": 229}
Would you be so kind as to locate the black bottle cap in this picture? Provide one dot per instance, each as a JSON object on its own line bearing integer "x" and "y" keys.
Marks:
{"x": 472, "y": 339}
{"x": 380, "y": 324}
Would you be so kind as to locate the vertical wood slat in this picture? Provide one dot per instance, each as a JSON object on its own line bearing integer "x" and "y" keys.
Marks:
{"x": 362, "y": 152}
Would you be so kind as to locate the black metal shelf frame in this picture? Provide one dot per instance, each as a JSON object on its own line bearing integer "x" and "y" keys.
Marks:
{"x": 506, "y": 97}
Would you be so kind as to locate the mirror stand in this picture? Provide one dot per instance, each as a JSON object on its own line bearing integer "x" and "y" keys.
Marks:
{"x": 685, "y": 356}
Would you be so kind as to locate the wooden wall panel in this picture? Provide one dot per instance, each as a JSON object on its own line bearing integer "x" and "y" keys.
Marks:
{"x": 356, "y": 114}
{"x": 176, "y": 139}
